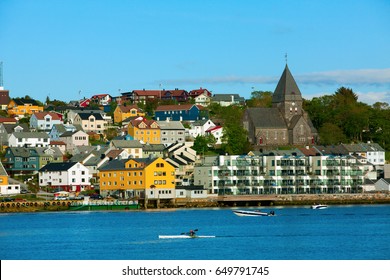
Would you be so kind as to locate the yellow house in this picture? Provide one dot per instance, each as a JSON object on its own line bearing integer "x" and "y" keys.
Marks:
{"x": 21, "y": 107}
{"x": 147, "y": 131}
{"x": 138, "y": 177}
{"x": 123, "y": 112}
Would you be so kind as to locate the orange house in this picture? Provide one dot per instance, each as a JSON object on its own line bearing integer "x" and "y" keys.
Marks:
{"x": 147, "y": 131}
{"x": 123, "y": 112}
{"x": 21, "y": 107}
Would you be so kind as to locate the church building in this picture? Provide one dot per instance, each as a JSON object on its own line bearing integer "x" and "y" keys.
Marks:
{"x": 286, "y": 123}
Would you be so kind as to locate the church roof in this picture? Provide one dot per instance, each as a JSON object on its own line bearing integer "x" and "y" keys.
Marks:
{"x": 266, "y": 117}
{"x": 287, "y": 89}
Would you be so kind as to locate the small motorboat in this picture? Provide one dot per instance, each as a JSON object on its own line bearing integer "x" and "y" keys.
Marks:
{"x": 319, "y": 206}
{"x": 252, "y": 213}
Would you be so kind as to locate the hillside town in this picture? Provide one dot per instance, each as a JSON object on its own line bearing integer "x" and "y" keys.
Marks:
{"x": 115, "y": 147}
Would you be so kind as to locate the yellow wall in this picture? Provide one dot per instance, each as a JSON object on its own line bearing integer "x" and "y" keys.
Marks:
{"x": 137, "y": 176}
{"x": 120, "y": 116}
{"x": 147, "y": 135}
{"x": 14, "y": 109}
{"x": 3, "y": 180}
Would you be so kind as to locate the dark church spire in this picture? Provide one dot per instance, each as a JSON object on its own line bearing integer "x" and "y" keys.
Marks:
{"x": 287, "y": 89}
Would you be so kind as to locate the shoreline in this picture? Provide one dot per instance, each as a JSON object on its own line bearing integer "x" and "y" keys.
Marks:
{"x": 234, "y": 201}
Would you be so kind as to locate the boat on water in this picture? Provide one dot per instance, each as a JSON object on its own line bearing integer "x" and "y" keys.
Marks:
{"x": 319, "y": 206}
{"x": 252, "y": 213}
{"x": 184, "y": 236}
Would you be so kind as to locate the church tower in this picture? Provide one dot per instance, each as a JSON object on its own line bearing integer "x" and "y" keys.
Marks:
{"x": 287, "y": 97}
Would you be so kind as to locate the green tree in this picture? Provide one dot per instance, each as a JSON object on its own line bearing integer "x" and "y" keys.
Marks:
{"x": 260, "y": 99}
{"x": 331, "y": 134}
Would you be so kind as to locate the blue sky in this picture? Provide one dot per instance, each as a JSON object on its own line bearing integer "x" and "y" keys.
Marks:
{"x": 72, "y": 49}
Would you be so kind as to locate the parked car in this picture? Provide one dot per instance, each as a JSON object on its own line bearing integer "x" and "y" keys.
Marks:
{"x": 23, "y": 191}
{"x": 61, "y": 198}
{"x": 95, "y": 196}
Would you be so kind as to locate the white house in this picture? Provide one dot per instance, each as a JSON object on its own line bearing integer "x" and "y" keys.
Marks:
{"x": 5, "y": 187}
{"x": 217, "y": 132}
{"x": 383, "y": 184}
{"x": 202, "y": 99}
{"x": 29, "y": 139}
{"x": 133, "y": 147}
{"x": 91, "y": 122}
{"x": 199, "y": 128}
{"x": 44, "y": 120}
{"x": 68, "y": 176}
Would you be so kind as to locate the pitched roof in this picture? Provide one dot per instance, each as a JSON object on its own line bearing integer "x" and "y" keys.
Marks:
{"x": 23, "y": 101}
{"x": 119, "y": 164}
{"x": 85, "y": 116}
{"x": 42, "y": 135}
{"x": 196, "y": 92}
{"x": 57, "y": 166}
{"x": 136, "y": 122}
{"x": 42, "y": 115}
{"x": 213, "y": 128}
{"x": 8, "y": 120}
{"x": 128, "y": 108}
{"x": 126, "y": 144}
{"x": 287, "y": 89}
{"x": 2, "y": 170}
{"x": 171, "y": 125}
{"x": 266, "y": 117}
{"x": 175, "y": 107}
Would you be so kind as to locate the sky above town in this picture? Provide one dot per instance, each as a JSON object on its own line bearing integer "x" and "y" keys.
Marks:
{"x": 67, "y": 50}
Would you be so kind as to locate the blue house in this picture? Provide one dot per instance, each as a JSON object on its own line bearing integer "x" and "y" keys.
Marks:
{"x": 185, "y": 112}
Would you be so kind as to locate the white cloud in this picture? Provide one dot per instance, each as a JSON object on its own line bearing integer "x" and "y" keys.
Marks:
{"x": 377, "y": 77}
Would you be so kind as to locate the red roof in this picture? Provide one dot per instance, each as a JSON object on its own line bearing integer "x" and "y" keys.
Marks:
{"x": 42, "y": 115}
{"x": 199, "y": 91}
{"x": 99, "y": 96}
{"x": 7, "y": 120}
{"x": 136, "y": 122}
{"x": 56, "y": 143}
{"x": 155, "y": 93}
{"x": 213, "y": 128}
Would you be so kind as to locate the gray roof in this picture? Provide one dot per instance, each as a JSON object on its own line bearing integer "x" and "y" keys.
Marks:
{"x": 10, "y": 127}
{"x": 31, "y": 135}
{"x": 2, "y": 170}
{"x": 119, "y": 164}
{"x": 170, "y": 125}
{"x": 126, "y": 143}
{"x": 266, "y": 117}
{"x": 153, "y": 147}
{"x": 363, "y": 147}
{"x": 287, "y": 89}
{"x": 41, "y": 151}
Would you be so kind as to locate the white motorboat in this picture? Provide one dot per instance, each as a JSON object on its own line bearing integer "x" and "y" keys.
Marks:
{"x": 184, "y": 236}
{"x": 319, "y": 206}
{"x": 252, "y": 213}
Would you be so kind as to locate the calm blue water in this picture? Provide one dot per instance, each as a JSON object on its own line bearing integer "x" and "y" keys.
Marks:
{"x": 296, "y": 233}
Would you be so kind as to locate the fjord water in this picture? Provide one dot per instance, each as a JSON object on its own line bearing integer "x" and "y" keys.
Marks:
{"x": 295, "y": 233}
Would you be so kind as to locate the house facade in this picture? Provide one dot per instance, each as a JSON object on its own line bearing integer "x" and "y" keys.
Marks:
{"x": 103, "y": 99}
{"x": 144, "y": 178}
{"x": 133, "y": 147}
{"x": 217, "y": 133}
{"x": 199, "y": 128}
{"x": 171, "y": 132}
{"x": 123, "y": 112}
{"x": 68, "y": 176}
{"x": 44, "y": 121}
{"x": 29, "y": 139}
{"x": 21, "y": 107}
{"x": 184, "y": 112}
{"x": 228, "y": 99}
{"x": 91, "y": 122}
{"x": 74, "y": 139}
{"x": 281, "y": 173}
{"x": 5, "y": 187}
{"x": 19, "y": 160}
{"x": 144, "y": 130}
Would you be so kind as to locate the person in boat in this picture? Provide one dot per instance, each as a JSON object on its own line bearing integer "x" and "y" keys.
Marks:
{"x": 191, "y": 233}
{"x": 272, "y": 213}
